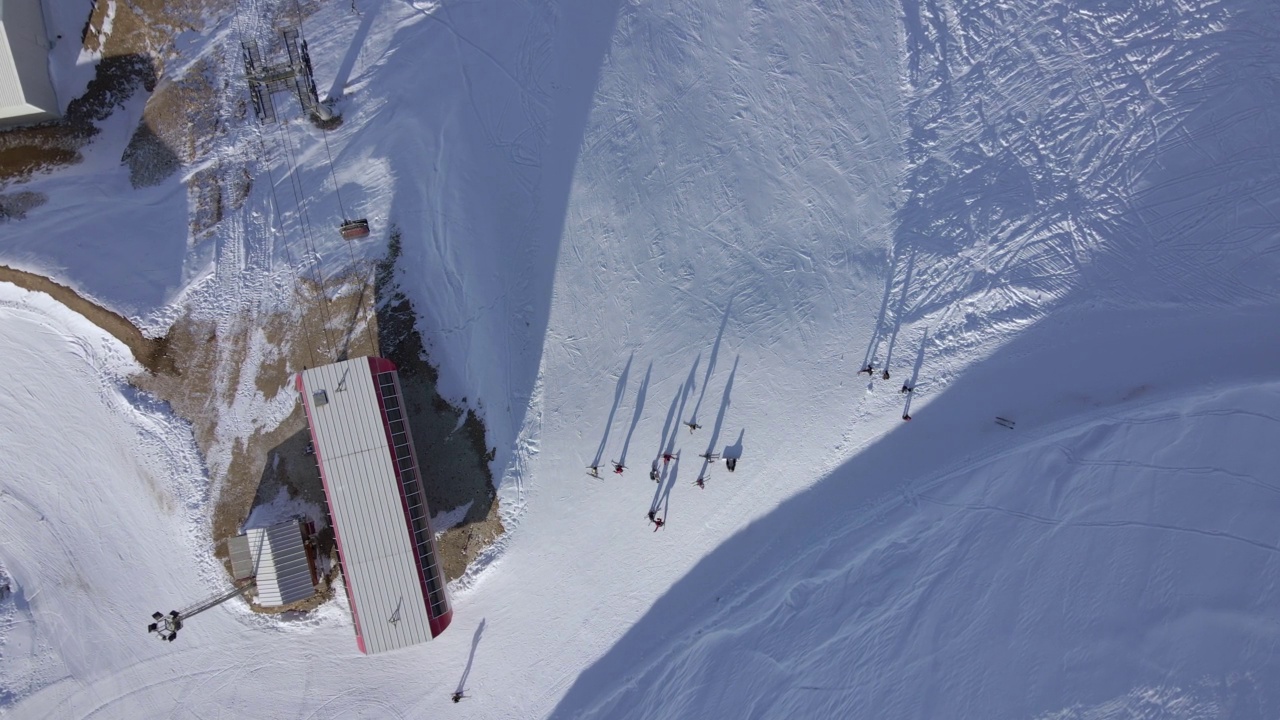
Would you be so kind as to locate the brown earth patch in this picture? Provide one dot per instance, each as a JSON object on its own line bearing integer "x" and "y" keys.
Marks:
{"x": 150, "y": 352}
{"x": 450, "y": 441}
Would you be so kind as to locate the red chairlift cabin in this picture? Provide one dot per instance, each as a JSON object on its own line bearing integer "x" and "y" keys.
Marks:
{"x": 354, "y": 229}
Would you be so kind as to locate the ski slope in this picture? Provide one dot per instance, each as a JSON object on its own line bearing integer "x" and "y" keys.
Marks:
{"x": 619, "y": 217}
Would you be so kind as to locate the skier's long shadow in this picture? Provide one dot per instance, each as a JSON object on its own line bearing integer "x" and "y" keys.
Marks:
{"x": 475, "y": 642}
{"x": 884, "y": 311}
{"x": 711, "y": 364}
{"x": 617, "y": 400}
{"x": 666, "y": 427}
{"x": 724, "y": 407}
{"x": 666, "y": 481}
{"x": 915, "y": 371}
{"x": 902, "y": 304}
{"x": 662, "y": 495}
{"x": 686, "y": 390}
{"x": 734, "y": 451}
{"x": 915, "y": 374}
{"x": 635, "y": 417}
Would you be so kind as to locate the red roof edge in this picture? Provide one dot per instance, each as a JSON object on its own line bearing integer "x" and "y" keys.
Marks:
{"x": 381, "y": 365}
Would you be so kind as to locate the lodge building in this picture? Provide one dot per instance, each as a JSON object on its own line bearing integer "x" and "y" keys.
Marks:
{"x": 387, "y": 552}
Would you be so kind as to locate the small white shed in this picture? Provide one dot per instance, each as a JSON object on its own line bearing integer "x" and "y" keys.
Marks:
{"x": 277, "y": 557}
{"x": 26, "y": 93}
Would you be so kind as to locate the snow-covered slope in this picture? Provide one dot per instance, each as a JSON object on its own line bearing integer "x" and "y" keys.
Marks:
{"x": 622, "y": 216}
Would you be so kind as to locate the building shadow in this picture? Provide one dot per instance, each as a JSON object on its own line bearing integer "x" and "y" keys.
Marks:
{"x": 516, "y": 124}
{"x": 291, "y": 468}
{"x": 723, "y": 588}
{"x": 353, "y": 52}
{"x": 1092, "y": 263}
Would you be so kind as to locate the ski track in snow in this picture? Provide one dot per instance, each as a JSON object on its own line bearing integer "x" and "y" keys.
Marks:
{"x": 1063, "y": 213}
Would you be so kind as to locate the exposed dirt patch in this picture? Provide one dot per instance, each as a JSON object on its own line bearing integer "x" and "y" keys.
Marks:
{"x": 151, "y": 353}
{"x": 213, "y": 359}
{"x": 450, "y": 441}
{"x": 180, "y": 123}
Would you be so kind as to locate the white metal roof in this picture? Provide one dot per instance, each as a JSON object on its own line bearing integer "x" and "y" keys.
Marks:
{"x": 26, "y": 94}
{"x": 280, "y": 562}
{"x": 365, "y": 503}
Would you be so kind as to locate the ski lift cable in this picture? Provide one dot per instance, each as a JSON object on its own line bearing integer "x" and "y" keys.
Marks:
{"x": 373, "y": 346}
{"x": 337, "y": 190}
{"x": 325, "y": 134}
{"x": 300, "y": 197}
{"x": 368, "y": 326}
{"x": 308, "y": 237}
{"x": 275, "y": 204}
{"x": 304, "y": 221}
{"x": 302, "y": 35}
{"x": 297, "y": 270}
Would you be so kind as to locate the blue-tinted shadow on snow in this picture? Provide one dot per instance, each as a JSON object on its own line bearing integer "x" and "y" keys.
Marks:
{"x": 337, "y": 89}
{"x": 641, "y": 394}
{"x": 711, "y": 363}
{"x": 471, "y": 658}
{"x": 752, "y": 578}
{"x": 484, "y": 168}
{"x": 617, "y": 400}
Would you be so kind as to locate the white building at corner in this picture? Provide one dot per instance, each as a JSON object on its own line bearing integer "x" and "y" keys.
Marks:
{"x": 26, "y": 93}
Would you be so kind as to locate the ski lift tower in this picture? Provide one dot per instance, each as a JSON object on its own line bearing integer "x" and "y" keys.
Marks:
{"x": 291, "y": 74}
{"x": 166, "y": 627}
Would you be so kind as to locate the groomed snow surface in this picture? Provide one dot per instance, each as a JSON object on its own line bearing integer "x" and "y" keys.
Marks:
{"x": 621, "y": 216}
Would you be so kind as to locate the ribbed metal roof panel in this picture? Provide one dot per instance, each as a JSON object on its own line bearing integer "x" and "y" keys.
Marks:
{"x": 283, "y": 572}
{"x": 365, "y": 504}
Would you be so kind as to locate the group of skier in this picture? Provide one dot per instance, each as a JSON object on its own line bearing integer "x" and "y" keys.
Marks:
{"x": 655, "y": 474}
{"x": 907, "y": 387}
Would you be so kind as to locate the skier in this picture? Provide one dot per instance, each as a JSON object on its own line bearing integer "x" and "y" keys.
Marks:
{"x": 667, "y": 457}
{"x": 651, "y": 514}
{"x": 653, "y": 473}
{"x": 618, "y": 467}
{"x": 906, "y": 416}
{"x": 594, "y": 471}
{"x": 693, "y": 426}
{"x": 731, "y": 463}
{"x": 868, "y": 370}
{"x": 458, "y": 695}
{"x": 886, "y": 374}
{"x": 906, "y": 388}
{"x": 658, "y": 523}
{"x": 710, "y": 456}
{"x": 701, "y": 481}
